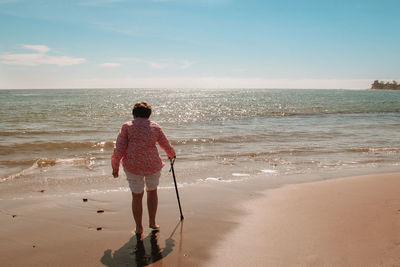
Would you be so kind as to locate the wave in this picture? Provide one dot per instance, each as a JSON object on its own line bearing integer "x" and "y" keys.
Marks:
{"x": 18, "y": 174}
{"x": 17, "y": 162}
{"x": 374, "y": 149}
{"x": 35, "y": 146}
{"x": 88, "y": 162}
{"x": 46, "y": 162}
{"x": 25, "y": 132}
{"x": 223, "y": 116}
{"x": 226, "y": 139}
{"x": 192, "y": 141}
{"x": 305, "y": 150}
{"x": 259, "y": 154}
{"x": 7, "y": 149}
{"x": 284, "y": 152}
{"x": 220, "y": 179}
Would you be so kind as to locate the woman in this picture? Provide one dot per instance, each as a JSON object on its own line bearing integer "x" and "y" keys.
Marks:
{"x": 136, "y": 147}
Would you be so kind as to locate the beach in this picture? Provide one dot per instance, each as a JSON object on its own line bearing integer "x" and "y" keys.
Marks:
{"x": 351, "y": 221}
{"x": 239, "y": 151}
{"x": 276, "y": 121}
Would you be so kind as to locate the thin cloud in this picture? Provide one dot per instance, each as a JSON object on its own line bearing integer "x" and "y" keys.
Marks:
{"x": 156, "y": 65}
{"x": 110, "y": 65}
{"x": 149, "y": 63}
{"x": 186, "y": 64}
{"x": 39, "y": 58}
{"x": 37, "y": 48}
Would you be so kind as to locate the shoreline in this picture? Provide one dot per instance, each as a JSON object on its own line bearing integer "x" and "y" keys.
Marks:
{"x": 64, "y": 231}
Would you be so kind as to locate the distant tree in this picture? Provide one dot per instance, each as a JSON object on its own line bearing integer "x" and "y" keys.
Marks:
{"x": 375, "y": 85}
{"x": 388, "y": 86}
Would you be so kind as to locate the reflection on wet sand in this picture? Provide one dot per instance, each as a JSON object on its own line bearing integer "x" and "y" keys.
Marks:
{"x": 142, "y": 252}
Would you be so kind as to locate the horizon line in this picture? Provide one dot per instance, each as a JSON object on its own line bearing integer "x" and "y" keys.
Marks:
{"x": 183, "y": 88}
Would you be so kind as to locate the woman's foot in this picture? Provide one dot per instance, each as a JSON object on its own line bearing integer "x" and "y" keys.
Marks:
{"x": 154, "y": 226}
{"x": 139, "y": 238}
{"x": 139, "y": 230}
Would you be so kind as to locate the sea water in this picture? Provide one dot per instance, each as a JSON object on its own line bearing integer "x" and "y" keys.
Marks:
{"x": 62, "y": 140}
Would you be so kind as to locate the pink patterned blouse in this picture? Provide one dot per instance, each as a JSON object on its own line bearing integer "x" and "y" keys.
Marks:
{"x": 136, "y": 146}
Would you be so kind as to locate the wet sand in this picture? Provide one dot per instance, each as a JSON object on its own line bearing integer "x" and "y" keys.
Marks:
{"x": 342, "y": 222}
{"x": 97, "y": 230}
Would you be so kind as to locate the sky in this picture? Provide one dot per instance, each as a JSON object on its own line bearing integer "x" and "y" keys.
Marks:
{"x": 198, "y": 43}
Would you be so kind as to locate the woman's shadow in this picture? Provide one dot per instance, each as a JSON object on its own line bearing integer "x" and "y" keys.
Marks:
{"x": 139, "y": 252}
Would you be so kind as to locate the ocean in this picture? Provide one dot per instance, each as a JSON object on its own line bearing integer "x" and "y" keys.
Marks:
{"x": 61, "y": 141}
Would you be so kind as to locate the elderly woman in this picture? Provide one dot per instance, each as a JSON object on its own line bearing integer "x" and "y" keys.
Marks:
{"x": 136, "y": 147}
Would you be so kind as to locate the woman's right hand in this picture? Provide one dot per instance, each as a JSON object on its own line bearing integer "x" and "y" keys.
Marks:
{"x": 115, "y": 174}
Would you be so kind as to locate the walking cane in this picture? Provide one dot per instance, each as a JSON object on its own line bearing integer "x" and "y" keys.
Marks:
{"x": 176, "y": 187}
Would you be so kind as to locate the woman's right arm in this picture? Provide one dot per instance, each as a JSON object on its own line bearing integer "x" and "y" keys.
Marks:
{"x": 120, "y": 149}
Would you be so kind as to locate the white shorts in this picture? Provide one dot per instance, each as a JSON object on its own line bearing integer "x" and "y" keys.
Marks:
{"x": 136, "y": 182}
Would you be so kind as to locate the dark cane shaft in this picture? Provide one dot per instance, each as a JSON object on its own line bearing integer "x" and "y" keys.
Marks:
{"x": 176, "y": 189}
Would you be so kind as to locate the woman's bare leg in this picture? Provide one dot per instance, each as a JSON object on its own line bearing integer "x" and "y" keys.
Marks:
{"x": 137, "y": 211}
{"x": 152, "y": 204}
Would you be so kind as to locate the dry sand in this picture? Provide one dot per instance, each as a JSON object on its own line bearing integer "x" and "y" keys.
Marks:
{"x": 344, "y": 222}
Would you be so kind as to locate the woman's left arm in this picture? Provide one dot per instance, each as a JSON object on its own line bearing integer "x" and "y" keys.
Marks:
{"x": 165, "y": 145}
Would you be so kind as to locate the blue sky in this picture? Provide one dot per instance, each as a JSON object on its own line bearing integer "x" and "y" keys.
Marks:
{"x": 198, "y": 43}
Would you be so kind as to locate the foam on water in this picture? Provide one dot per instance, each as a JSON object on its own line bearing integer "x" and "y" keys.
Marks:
{"x": 240, "y": 174}
{"x": 269, "y": 171}
{"x": 213, "y": 179}
{"x": 220, "y": 180}
{"x": 46, "y": 163}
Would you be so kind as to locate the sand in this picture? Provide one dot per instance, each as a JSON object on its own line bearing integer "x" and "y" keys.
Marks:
{"x": 342, "y": 222}
{"x": 69, "y": 231}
